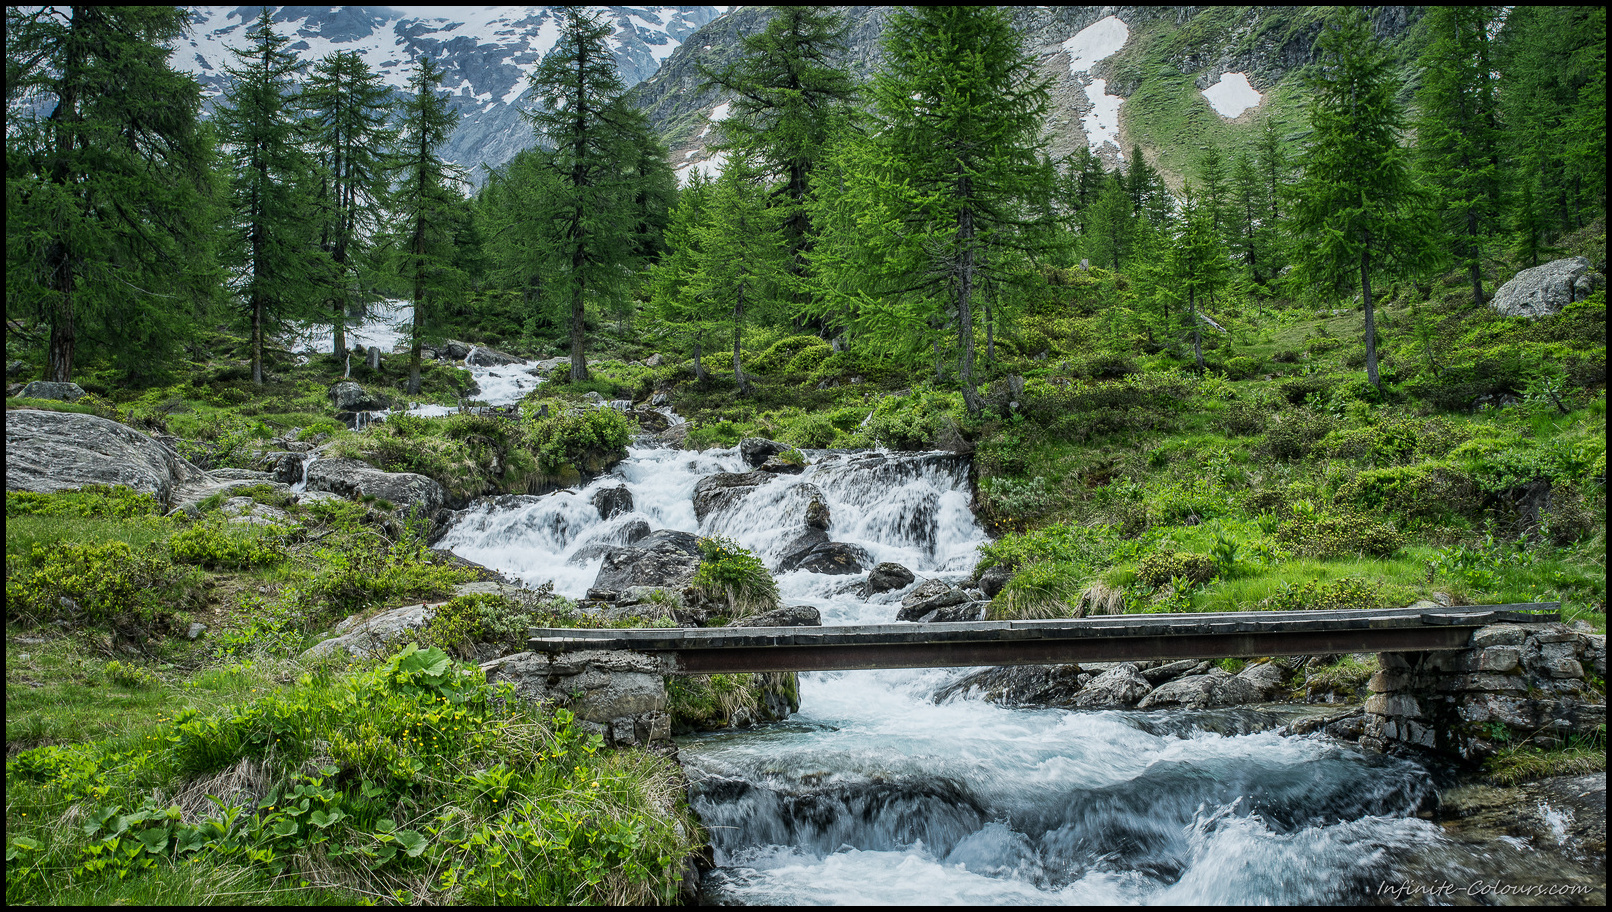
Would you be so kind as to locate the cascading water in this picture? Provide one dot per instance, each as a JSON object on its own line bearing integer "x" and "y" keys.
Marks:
{"x": 873, "y": 793}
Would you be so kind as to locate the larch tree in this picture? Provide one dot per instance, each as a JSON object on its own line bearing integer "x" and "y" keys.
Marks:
{"x": 789, "y": 94}
{"x": 1358, "y": 210}
{"x": 742, "y": 260}
{"x": 428, "y": 208}
{"x": 108, "y": 202}
{"x": 348, "y": 108}
{"x": 1198, "y": 263}
{"x": 957, "y": 161}
{"x": 589, "y": 221}
{"x": 273, "y": 251}
{"x": 1458, "y": 130}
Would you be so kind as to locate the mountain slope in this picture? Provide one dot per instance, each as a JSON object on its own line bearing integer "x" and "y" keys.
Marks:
{"x": 487, "y": 53}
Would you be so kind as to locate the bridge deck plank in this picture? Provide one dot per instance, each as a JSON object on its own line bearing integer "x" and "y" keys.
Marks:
{"x": 1134, "y": 637}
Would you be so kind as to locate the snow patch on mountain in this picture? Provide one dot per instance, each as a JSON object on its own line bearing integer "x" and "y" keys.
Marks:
{"x": 1088, "y": 47}
{"x": 1232, "y": 95}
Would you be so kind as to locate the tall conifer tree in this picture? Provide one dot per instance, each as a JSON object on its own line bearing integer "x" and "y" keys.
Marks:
{"x": 1457, "y": 130}
{"x": 1357, "y": 210}
{"x": 274, "y": 249}
{"x": 788, "y": 96}
{"x": 957, "y": 160}
{"x": 107, "y": 195}
{"x": 348, "y": 108}
{"x": 428, "y": 208}
{"x": 588, "y": 221}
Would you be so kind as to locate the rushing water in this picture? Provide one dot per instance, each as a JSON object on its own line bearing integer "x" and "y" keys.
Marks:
{"x": 873, "y": 793}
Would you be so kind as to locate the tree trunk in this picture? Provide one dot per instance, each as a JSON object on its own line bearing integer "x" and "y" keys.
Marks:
{"x": 738, "y": 322}
{"x": 699, "y": 368}
{"x": 60, "y": 366}
{"x": 1371, "y": 321}
{"x": 257, "y": 340}
{"x": 1475, "y": 267}
{"x": 579, "y": 358}
{"x": 1197, "y": 328}
{"x": 965, "y": 311}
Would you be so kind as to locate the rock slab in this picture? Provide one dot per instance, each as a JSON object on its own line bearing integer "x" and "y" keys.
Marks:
{"x": 63, "y": 451}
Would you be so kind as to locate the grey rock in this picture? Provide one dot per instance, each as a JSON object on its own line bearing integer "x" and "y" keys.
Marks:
{"x": 993, "y": 580}
{"x": 1217, "y": 688}
{"x": 246, "y": 511}
{"x": 885, "y": 577}
{"x": 967, "y": 611}
{"x": 1265, "y": 677}
{"x": 1544, "y": 290}
{"x": 348, "y": 396}
{"x": 757, "y": 450}
{"x": 1121, "y": 687}
{"x": 196, "y": 629}
{"x": 1161, "y": 673}
{"x": 353, "y": 478}
{"x": 1019, "y": 685}
{"x": 817, "y": 513}
{"x": 622, "y": 695}
{"x": 631, "y": 532}
{"x": 831, "y": 557}
{"x": 722, "y": 490}
{"x": 612, "y": 502}
{"x": 378, "y": 634}
{"x": 787, "y": 616}
{"x": 62, "y": 451}
{"x": 282, "y": 466}
{"x": 662, "y": 559}
{"x": 241, "y": 475}
{"x": 594, "y": 397}
{"x": 930, "y": 595}
{"x": 778, "y": 466}
{"x": 491, "y": 357}
{"x": 454, "y": 350}
{"x": 51, "y": 389}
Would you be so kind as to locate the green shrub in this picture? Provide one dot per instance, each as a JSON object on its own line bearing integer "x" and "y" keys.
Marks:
{"x": 1423, "y": 491}
{"x": 479, "y": 618}
{"x": 110, "y": 501}
{"x": 1338, "y": 534}
{"x": 1159, "y": 568}
{"x": 1015, "y": 503}
{"x": 780, "y": 353}
{"x": 1350, "y": 593}
{"x": 106, "y": 583}
{"x": 589, "y": 439}
{"x": 1046, "y": 589}
{"x": 735, "y": 575}
{"x": 215, "y": 543}
{"x": 1291, "y": 436}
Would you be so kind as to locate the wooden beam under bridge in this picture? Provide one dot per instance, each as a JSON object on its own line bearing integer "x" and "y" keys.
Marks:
{"x": 1109, "y": 638}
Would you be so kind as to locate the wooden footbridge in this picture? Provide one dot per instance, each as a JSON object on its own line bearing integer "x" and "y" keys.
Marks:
{"x": 1130, "y": 637}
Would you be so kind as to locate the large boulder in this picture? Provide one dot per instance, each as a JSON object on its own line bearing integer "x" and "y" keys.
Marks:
{"x": 348, "y": 396}
{"x": 787, "y": 616}
{"x": 1019, "y": 685}
{"x": 1217, "y": 688}
{"x": 1544, "y": 290}
{"x": 483, "y": 356}
{"x": 51, "y": 389}
{"x": 828, "y": 557}
{"x": 885, "y": 577}
{"x": 715, "y": 492}
{"x": 372, "y": 636}
{"x": 757, "y": 450}
{"x": 354, "y": 478}
{"x": 62, "y": 451}
{"x": 931, "y": 595}
{"x": 1118, "y": 687}
{"x": 612, "y": 502}
{"x": 994, "y": 580}
{"x": 664, "y": 559}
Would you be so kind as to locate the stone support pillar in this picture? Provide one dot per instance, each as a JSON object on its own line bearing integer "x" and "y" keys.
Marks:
{"x": 618, "y": 694}
{"x": 1518, "y": 682}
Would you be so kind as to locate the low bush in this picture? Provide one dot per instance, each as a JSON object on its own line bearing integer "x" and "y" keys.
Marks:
{"x": 97, "y": 584}
{"x": 1348, "y": 593}
{"x": 216, "y": 544}
{"x": 1159, "y": 568}
{"x": 1428, "y": 491}
{"x": 1340, "y": 533}
{"x": 90, "y": 501}
{"x": 734, "y": 575}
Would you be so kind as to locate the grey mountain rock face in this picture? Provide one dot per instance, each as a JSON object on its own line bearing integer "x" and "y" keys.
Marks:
{"x": 487, "y": 54}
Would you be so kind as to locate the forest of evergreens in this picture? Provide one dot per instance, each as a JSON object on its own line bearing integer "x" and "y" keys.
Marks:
{"x": 1277, "y": 385}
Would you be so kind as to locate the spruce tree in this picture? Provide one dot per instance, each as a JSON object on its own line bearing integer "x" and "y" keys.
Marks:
{"x": 1198, "y": 260}
{"x": 957, "y": 157}
{"x": 788, "y": 94}
{"x": 674, "y": 296}
{"x": 1457, "y": 130}
{"x": 108, "y": 242}
{"x": 1357, "y": 210}
{"x": 1112, "y": 224}
{"x": 273, "y": 250}
{"x": 427, "y": 208}
{"x": 1273, "y": 173}
{"x": 588, "y": 222}
{"x": 348, "y": 108}
{"x": 1213, "y": 196}
{"x": 1247, "y": 212}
